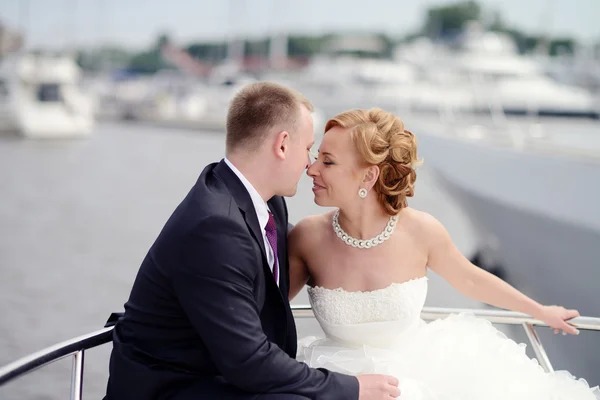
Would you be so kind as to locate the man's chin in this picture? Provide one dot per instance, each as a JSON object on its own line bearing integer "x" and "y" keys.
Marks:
{"x": 290, "y": 193}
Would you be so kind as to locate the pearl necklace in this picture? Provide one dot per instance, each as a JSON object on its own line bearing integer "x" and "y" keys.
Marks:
{"x": 364, "y": 244}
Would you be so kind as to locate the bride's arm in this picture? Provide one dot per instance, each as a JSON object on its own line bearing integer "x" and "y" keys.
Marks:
{"x": 447, "y": 261}
{"x": 298, "y": 270}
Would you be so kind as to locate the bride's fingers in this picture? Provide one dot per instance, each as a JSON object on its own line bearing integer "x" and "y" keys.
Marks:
{"x": 572, "y": 314}
{"x": 556, "y": 331}
{"x": 566, "y": 328}
{"x": 392, "y": 380}
{"x": 394, "y": 391}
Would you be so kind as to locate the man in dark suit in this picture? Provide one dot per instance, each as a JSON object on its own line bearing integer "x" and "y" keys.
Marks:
{"x": 208, "y": 316}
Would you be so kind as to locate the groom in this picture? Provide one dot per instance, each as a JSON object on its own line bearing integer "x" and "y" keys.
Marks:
{"x": 208, "y": 316}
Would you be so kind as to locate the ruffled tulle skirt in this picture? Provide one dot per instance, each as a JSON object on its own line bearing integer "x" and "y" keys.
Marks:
{"x": 457, "y": 358}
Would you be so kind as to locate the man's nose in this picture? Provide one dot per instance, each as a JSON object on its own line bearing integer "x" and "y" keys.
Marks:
{"x": 312, "y": 169}
{"x": 309, "y": 163}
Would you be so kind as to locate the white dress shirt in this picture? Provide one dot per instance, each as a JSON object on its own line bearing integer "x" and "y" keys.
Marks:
{"x": 262, "y": 211}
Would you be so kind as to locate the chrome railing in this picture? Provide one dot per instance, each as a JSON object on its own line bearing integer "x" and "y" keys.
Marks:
{"x": 76, "y": 347}
{"x": 73, "y": 347}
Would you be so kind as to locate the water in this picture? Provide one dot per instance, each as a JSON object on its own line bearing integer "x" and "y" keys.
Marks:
{"x": 76, "y": 220}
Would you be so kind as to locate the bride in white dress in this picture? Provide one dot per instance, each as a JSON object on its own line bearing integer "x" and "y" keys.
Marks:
{"x": 366, "y": 265}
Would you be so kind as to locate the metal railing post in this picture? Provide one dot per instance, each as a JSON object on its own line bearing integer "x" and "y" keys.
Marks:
{"x": 77, "y": 376}
{"x": 536, "y": 344}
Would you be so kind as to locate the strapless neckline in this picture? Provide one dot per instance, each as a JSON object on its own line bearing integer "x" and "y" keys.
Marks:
{"x": 342, "y": 290}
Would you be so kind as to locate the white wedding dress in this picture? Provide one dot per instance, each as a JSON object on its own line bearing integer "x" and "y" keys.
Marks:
{"x": 457, "y": 358}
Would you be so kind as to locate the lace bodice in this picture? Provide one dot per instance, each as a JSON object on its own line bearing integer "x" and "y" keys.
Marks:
{"x": 399, "y": 301}
{"x": 348, "y": 316}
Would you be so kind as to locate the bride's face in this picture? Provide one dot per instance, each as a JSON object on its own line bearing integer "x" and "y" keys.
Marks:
{"x": 336, "y": 172}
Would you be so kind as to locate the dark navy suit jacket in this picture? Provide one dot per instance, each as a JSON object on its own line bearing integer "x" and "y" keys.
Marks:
{"x": 205, "y": 312}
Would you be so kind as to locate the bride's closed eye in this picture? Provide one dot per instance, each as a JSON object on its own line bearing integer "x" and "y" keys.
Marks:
{"x": 315, "y": 156}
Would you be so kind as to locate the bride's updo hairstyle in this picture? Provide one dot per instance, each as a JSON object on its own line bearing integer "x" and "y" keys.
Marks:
{"x": 381, "y": 140}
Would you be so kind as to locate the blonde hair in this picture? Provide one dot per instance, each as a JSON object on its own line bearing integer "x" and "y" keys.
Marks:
{"x": 381, "y": 140}
{"x": 258, "y": 107}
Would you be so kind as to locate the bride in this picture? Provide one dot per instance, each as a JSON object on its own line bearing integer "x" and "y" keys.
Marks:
{"x": 366, "y": 263}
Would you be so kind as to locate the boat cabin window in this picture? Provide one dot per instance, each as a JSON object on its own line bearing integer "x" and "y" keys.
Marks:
{"x": 48, "y": 92}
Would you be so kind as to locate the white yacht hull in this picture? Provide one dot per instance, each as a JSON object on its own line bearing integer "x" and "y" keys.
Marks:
{"x": 40, "y": 97}
{"x": 51, "y": 123}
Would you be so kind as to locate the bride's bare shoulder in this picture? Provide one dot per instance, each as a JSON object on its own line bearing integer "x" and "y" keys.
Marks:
{"x": 422, "y": 224}
{"x": 311, "y": 228}
{"x": 420, "y": 221}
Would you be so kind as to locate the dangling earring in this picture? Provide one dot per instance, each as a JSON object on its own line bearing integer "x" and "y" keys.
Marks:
{"x": 362, "y": 193}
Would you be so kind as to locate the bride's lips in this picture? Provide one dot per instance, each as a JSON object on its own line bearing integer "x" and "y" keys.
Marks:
{"x": 316, "y": 187}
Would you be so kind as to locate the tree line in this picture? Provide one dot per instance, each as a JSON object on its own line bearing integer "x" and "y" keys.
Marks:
{"x": 440, "y": 23}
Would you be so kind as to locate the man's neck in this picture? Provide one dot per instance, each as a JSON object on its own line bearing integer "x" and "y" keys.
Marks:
{"x": 252, "y": 169}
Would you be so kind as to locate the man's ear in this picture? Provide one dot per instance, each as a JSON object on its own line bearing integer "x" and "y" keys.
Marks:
{"x": 281, "y": 145}
{"x": 371, "y": 176}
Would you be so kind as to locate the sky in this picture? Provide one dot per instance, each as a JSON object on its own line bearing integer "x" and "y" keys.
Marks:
{"x": 136, "y": 23}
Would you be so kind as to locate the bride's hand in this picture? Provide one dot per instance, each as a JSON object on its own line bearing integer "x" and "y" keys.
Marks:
{"x": 556, "y": 317}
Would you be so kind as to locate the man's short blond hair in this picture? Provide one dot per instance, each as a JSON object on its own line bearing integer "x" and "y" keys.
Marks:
{"x": 259, "y": 107}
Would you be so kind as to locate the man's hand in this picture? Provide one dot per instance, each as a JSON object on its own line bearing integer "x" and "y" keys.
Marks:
{"x": 377, "y": 387}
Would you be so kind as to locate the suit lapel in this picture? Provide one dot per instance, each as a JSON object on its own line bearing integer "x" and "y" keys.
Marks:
{"x": 244, "y": 202}
{"x": 281, "y": 223}
{"x": 252, "y": 222}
